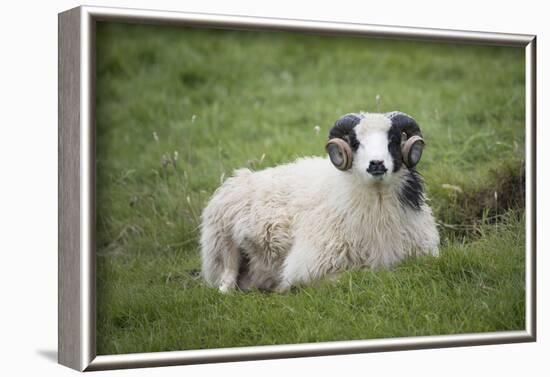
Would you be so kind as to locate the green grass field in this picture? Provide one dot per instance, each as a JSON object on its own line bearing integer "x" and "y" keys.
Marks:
{"x": 179, "y": 109}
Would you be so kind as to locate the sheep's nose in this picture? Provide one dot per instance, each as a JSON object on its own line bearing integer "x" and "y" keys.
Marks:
{"x": 376, "y": 167}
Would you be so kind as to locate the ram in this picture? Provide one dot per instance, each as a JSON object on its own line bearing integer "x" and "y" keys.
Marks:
{"x": 363, "y": 206}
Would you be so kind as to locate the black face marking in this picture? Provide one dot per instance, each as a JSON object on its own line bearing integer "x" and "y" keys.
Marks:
{"x": 394, "y": 147}
{"x": 344, "y": 129}
{"x": 411, "y": 192}
{"x": 400, "y": 123}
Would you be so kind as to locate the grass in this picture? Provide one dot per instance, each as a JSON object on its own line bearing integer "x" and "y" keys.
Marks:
{"x": 178, "y": 109}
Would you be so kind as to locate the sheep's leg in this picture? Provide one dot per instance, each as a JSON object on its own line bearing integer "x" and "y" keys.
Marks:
{"x": 300, "y": 266}
{"x": 231, "y": 262}
{"x": 221, "y": 259}
{"x": 434, "y": 251}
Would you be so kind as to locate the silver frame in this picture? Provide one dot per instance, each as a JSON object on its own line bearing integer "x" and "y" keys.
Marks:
{"x": 77, "y": 314}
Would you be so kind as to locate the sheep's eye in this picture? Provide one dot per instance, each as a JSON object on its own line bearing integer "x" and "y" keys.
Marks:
{"x": 394, "y": 140}
{"x": 354, "y": 144}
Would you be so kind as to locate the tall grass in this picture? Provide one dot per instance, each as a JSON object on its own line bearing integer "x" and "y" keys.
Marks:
{"x": 179, "y": 109}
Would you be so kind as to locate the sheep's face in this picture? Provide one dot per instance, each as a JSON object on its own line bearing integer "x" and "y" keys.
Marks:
{"x": 375, "y": 146}
{"x": 377, "y": 150}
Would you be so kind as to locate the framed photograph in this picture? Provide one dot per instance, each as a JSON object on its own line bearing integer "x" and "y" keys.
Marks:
{"x": 236, "y": 188}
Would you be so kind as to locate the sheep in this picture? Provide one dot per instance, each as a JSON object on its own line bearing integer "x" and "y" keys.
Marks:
{"x": 362, "y": 206}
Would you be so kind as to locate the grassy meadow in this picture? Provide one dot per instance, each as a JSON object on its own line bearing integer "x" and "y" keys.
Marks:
{"x": 179, "y": 109}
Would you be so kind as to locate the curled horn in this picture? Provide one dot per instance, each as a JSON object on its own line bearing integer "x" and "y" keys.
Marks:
{"x": 405, "y": 123}
{"x": 342, "y": 140}
{"x": 412, "y": 147}
{"x": 343, "y": 127}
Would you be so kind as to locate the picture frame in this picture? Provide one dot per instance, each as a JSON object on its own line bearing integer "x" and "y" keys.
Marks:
{"x": 77, "y": 179}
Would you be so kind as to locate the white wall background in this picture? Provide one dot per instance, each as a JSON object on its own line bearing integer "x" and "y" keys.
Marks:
{"x": 28, "y": 185}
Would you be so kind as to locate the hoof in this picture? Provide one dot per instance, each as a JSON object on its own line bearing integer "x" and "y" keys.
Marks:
{"x": 226, "y": 287}
{"x": 282, "y": 288}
